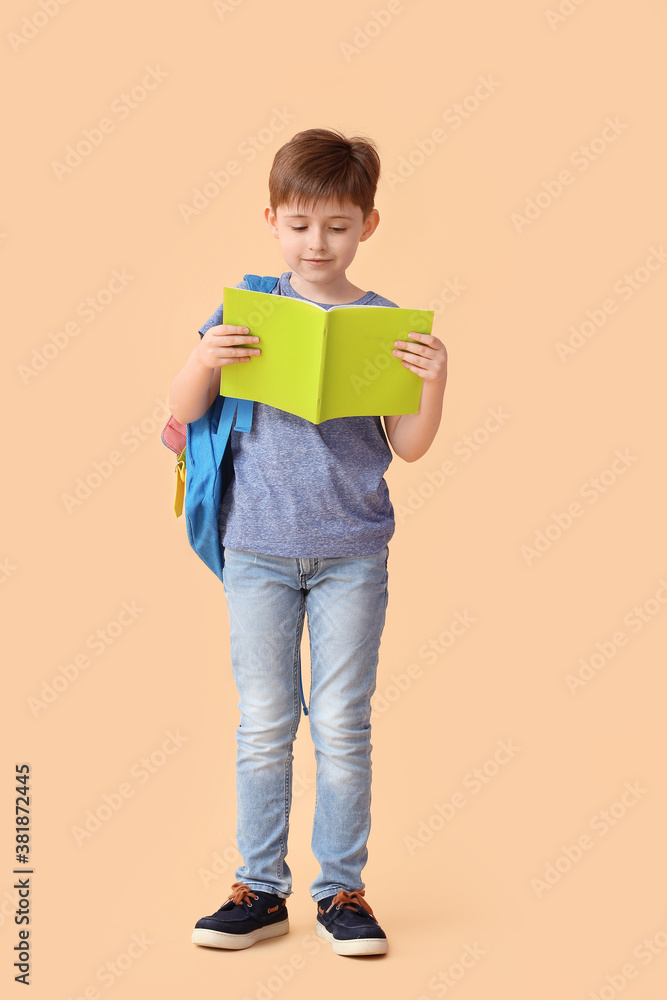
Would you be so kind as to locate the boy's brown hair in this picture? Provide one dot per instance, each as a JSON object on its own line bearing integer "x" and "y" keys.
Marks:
{"x": 319, "y": 164}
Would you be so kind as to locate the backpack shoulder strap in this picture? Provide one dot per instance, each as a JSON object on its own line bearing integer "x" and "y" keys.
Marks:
{"x": 243, "y": 407}
{"x": 257, "y": 283}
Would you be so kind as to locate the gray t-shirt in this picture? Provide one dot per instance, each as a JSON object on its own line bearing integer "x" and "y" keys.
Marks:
{"x": 307, "y": 490}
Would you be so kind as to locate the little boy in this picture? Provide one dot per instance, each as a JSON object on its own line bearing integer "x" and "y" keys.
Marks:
{"x": 305, "y": 525}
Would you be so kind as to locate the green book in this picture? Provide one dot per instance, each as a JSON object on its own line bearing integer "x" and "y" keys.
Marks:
{"x": 322, "y": 363}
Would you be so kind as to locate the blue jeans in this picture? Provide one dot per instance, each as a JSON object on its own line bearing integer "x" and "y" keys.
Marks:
{"x": 345, "y": 600}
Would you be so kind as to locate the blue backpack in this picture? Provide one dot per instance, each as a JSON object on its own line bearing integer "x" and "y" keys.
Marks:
{"x": 208, "y": 462}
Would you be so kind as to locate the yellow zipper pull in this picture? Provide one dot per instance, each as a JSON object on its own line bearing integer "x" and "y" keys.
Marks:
{"x": 180, "y": 484}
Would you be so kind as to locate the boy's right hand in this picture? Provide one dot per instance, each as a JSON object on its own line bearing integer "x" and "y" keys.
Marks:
{"x": 226, "y": 345}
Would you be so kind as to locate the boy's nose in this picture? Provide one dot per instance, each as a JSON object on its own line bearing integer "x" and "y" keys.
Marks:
{"x": 317, "y": 241}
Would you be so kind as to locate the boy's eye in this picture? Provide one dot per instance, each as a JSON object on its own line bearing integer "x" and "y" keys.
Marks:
{"x": 334, "y": 229}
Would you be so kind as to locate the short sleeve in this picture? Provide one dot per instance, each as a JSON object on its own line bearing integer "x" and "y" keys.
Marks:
{"x": 216, "y": 318}
{"x": 380, "y": 300}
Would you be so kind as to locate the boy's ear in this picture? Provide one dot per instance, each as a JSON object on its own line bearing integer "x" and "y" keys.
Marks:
{"x": 370, "y": 225}
{"x": 271, "y": 220}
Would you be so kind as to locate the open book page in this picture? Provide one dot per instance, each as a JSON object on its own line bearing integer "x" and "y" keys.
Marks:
{"x": 361, "y": 375}
{"x": 287, "y": 372}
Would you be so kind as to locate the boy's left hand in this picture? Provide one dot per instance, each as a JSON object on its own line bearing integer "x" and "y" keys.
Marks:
{"x": 424, "y": 355}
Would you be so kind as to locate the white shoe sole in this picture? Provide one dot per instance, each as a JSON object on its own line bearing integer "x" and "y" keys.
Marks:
{"x": 362, "y": 946}
{"x": 217, "y": 939}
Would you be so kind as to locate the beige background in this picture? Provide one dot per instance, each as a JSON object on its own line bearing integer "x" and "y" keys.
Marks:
{"x": 442, "y": 886}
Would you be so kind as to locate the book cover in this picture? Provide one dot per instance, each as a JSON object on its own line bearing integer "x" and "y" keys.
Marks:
{"x": 319, "y": 363}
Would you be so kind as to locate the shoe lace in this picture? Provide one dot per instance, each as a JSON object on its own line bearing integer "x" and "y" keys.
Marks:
{"x": 241, "y": 894}
{"x": 351, "y": 901}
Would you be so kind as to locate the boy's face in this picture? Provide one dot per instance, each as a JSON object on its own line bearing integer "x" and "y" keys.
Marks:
{"x": 319, "y": 242}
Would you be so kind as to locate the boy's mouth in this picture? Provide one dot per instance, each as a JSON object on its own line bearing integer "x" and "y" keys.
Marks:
{"x": 317, "y": 260}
